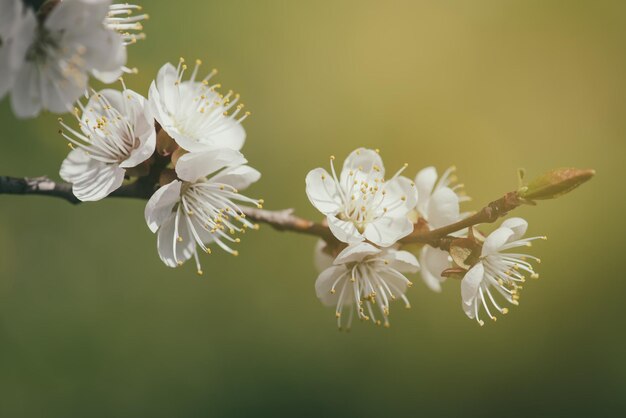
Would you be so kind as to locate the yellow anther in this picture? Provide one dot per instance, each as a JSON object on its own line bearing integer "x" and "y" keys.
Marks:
{"x": 200, "y": 272}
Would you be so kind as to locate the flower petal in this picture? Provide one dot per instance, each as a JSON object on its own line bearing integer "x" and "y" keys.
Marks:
{"x": 195, "y": 165}
{"x": 496, "y": 240}
{"x": 91, "y": 180}
{"x": 240, "y": 177}
{"x": 355, "y": 252}
{"x": 364, "y": 159}
{"x": 403, "y": 261}
{"x": 443, "y": 208}
{"x": 171, "y": 250}
{"x": 321, "y": 259}
{"x": 517, "y": 225}
{"x": 322, "y": 191}
{"x": 433, "y": 261}
{"x": 425, "y": 182}
{"x": 324, "y": 284}
{"x": 159, "y": 207}
{"x": 400, "y": 197}
{"x": 471, "y": 282}
{"x": 344, "y": 231}
{"x": 386, "y": 231}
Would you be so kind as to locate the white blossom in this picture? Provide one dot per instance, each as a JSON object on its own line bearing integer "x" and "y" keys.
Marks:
{"x": 359, "y": 204}
{"x": 200, "y": 207}
{"x": 116, "y": 132}
{"x": 194, "y": 113}
{"x": 438, "y": 205}
{"x": 17, "y": 29}
{"x": 77, "y": 38}
{"x": 365, "y": 279}
{"x": 498, "y": 270}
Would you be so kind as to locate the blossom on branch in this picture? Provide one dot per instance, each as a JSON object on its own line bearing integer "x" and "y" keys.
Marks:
{"x": 74, "y": 39}
{"x": 438, "y": 205}
{"x": 365, "y": 279}
{"x": 200, "y": 207}
{"x": 193, "y": 112}
{"x": 498, "y": 270}
{"x": 116, "y": 134}
{"x": 17, "y": 29}
{"x": 360, "y": 204}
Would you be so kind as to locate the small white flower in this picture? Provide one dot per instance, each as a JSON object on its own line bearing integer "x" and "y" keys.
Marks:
{"x": 360, "y": 205}
{"x": 17, "y": 29}
{"x": 77, "y": 37}
{"x": 193, "y": 113}
{"x": 439, "y": 206}
{"x": 200, "y": 208}
{"x": 368, "y": 279}
{"x": 116, "y": 133}
{"x": 498, "y": 270}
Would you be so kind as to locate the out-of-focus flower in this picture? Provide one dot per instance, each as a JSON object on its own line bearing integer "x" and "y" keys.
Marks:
{"x": 116, "y": 133}
{"x": 17, "y": 29}
{"x": 438, "y": 204}
{"x": 75, "y": 39}
{"x": 498, "y": 270}
{"x": 194, "y": 113}
{"x": 360, "y": 205}
{"x": 366, "y": 279}
{"x": 201, "y": 208}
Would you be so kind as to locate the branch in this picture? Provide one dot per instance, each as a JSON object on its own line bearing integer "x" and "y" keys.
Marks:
{"x": 549, "y": 186}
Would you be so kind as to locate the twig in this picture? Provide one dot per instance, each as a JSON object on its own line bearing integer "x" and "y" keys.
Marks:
{"x": 282, "y": 220}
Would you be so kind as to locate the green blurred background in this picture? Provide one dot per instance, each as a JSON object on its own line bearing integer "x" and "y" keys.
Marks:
{"x": 92, "y": 324}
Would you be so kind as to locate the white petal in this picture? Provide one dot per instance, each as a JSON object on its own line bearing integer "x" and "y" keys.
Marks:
{"x": 434, "y": 261}
{"x": 91, "y": 180}
{"x": 431, "y": 281}
{"x": 403, "y": 261}
{"x": 25, "y": 95}
{"x": 425, "y": 182}
{"x": 496, "y": 240}
{"x": 400, "y": 197}
{"x": 230, "y": 134}
{"x": 322, "y": 191}
{"x": 362, "y": 160}
{"x": 167, "y": 240}
{"x": 324, "y": 284}
{"x": 161, "y": 204}
{"x": 443, "y": 208}
{"x": 77, "y": 15}
{"x": 321, "y": 259}
{"x": 240, "y": 177}
{"x": 143, "y": 126}
{"x": 355, "y": 252}
{"x": 387, "y": 231}
{"x": 344, "y": 231}
{"x": 196, "y": 165}
{"x": 471, "y": 282}
{"x": 517, "y": 225}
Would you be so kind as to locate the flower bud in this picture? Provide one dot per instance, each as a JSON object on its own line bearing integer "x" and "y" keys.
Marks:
{"x": 555, "y": 183}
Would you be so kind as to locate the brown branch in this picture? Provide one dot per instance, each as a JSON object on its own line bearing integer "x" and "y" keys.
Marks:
{"x": 552, "y": 184}
{"x": 490, "y": 213}
{"x": 282, "y": 220}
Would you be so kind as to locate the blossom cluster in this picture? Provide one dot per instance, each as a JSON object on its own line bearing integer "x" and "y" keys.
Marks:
{"x": 185, "y": 129}
{"x": 47, "y": 56}
{"x": 181, "y": 147}
{"x": 373, "y": 217}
